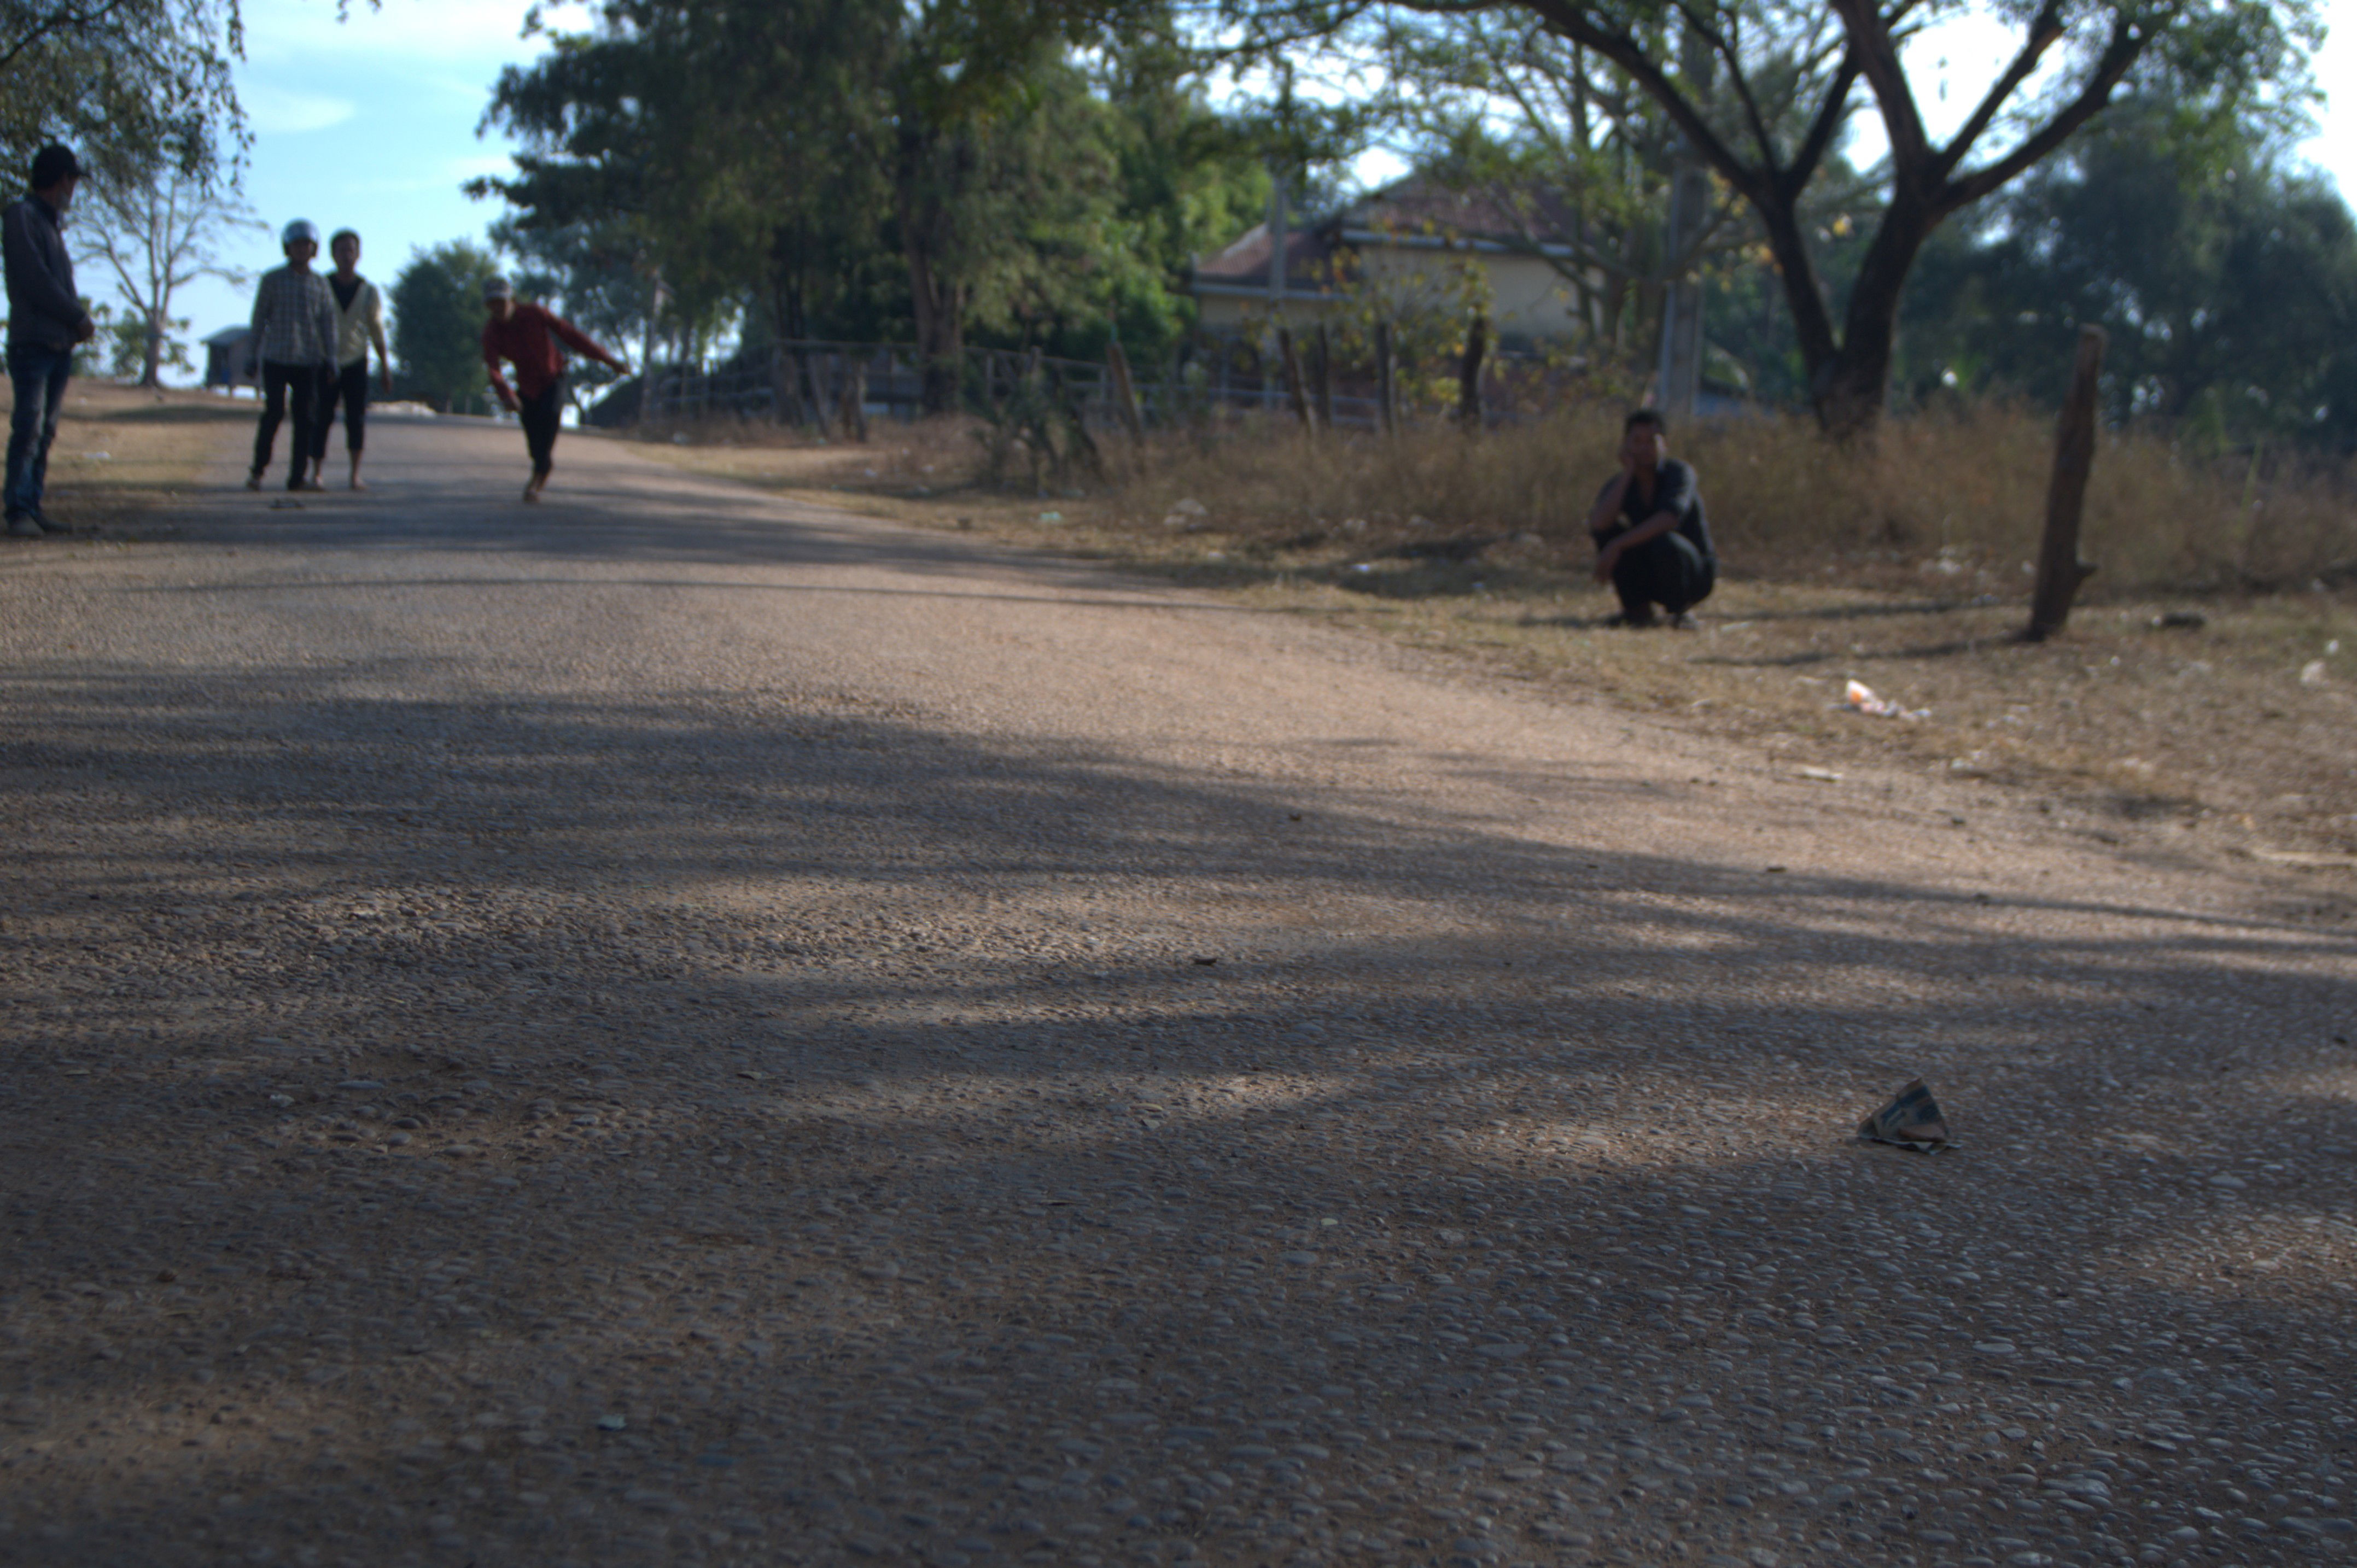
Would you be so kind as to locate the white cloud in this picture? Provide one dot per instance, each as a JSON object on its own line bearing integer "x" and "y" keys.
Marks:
{"x": 275, "y": 110}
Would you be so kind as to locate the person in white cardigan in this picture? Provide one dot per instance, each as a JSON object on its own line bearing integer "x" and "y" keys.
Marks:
{"x": 359, "y": 321}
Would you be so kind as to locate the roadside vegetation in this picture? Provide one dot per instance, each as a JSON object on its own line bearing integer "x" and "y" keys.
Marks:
{"x": 2206, "y": 686}
{"x": 122, "y": 451}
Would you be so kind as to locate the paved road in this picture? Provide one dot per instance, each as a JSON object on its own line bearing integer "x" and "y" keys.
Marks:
{"x": 671, "y": 1029}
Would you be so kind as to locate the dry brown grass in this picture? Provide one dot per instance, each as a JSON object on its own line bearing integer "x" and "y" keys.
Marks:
{"x": 1902, "y": 566}
{"x": 1965, "y": 487}
{"x": 121, "y": 452}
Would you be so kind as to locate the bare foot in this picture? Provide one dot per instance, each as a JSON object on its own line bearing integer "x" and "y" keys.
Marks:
{"x": 254, "y": 480}
{"x": 314, "y": 483}
{"x": 531, "y": 491}
{"x": 359, "y": 483}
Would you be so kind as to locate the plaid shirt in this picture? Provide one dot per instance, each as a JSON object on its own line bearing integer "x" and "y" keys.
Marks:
{"x": 294, "y": 318}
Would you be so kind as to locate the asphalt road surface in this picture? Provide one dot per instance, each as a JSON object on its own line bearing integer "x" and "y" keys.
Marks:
{"x": 668, "y": 1027}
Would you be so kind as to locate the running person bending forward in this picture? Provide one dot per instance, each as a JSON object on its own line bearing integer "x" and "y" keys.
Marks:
{"x": 527, "y": 336}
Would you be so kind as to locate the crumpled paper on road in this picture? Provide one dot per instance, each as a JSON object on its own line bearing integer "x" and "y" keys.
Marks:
{"x": 1913, "y": 1121}
{"x": 1858, "y": 697}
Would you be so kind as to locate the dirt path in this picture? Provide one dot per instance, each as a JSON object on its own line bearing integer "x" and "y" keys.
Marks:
{"x": 669, "y": 1029}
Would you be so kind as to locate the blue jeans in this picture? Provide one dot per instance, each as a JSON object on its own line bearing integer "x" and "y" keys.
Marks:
{"x": 39, "y": 376}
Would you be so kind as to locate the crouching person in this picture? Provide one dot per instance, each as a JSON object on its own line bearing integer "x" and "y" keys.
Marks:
{"x": 1652, "y": 543}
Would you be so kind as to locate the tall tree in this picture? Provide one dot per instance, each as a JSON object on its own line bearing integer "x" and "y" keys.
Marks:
{"x": 2225, "y": 279}
{"x": 832, "y": 166}
{"x": 1563, "y": 140}
{"x": 437, "y": 322}
{"x": 158, "y": 230}
{"x": 1840, "y": 46}
{"x": 134, "y": 79}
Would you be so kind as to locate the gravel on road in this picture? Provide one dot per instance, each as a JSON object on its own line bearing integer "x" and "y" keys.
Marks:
{"x": 670, "y": 1027}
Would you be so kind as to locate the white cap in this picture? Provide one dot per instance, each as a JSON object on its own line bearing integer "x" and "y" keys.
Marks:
{"x": 301, "y": 228}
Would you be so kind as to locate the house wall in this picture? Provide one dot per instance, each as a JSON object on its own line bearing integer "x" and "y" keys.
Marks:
{"x": 1530, "y": 301}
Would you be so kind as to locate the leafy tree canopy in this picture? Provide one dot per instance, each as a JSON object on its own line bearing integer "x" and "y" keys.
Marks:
{"x": 127, "y": 83}
{"x": 2226, "y": 281}
{"x": 1762, "y": 90}
{"x": 437, "y": 322}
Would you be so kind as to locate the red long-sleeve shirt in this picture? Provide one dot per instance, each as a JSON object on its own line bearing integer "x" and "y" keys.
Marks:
{"x": 528, "y": 337}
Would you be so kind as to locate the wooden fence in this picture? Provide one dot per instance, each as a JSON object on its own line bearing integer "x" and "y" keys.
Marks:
{"x": 829, "y": 382}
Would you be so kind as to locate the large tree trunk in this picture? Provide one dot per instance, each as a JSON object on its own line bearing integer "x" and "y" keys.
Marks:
{"x": 1851, "y": 388}
{"x": 941, "y": 330}
{"x": 1849, "y": 376}
{"x": 151, "y": 368}
{"x": 930, "y": 170}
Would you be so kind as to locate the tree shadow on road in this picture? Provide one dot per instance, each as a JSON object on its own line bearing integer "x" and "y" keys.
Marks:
{"x": 795, "y": 1077}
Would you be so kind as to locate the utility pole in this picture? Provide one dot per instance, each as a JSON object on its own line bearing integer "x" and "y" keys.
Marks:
{"x": 646, "y": 348}
{"x": 1276, "y": 237}
{"x": 1682, "y": 323}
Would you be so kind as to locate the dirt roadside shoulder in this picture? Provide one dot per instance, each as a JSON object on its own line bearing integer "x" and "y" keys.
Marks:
{"x": 2214, "y": 731}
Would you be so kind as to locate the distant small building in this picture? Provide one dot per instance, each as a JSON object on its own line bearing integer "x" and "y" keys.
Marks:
{"x": 1386, "y": 238}
{"x": 225, "y": 359}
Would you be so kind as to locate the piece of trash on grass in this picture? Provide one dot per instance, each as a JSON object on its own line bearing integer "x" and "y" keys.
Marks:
{"x": 1051, "y": 517}
{"x": 2179, "y": 620}
{"x": 98, "y": 457}
{"x": 1185, "y": 514}
{"x": 2312, "y": 673}
{"x": 612, "y": 1423}
{"x": 1910, "y": 1122}
{"x": 1822, "y": 775}
{"x": 2303, "y": 858}
{"x": 1858, "y": 697}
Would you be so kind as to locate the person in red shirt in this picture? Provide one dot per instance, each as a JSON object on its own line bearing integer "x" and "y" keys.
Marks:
{"x": 526, "y": 335}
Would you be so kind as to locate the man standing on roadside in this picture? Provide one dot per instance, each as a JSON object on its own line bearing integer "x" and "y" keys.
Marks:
{"x": 1651, "y": 543}
{"x": 359, "y": 321}
{"x": 46, "y": 320}
{"x": 527, "y": 336}
{"x": 295, "y": 337}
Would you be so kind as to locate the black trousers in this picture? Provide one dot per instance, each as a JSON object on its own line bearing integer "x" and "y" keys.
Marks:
{"x": 1667, "y": 571}
{"x": 349, "y": 387}
{"x": 288, "y": 390}
{"x": 539, "y": 417}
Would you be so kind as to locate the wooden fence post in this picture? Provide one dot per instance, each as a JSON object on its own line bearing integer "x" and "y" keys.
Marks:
{"x": 1295, "y": 389}
{"x": 1325, "y": 381}
{"x": 855, "y": 397}
{"x": 1468, "y": 373}
{"x": 1387, "y": 407}
{"x": 2061, "y": 573}
{"x": 1125, "y": 392}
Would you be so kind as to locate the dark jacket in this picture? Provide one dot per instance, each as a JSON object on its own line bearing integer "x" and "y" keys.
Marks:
{"x": 44, "y": 311}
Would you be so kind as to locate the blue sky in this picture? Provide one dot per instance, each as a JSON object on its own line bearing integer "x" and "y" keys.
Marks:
{"x": 369, "y": 122}
{"x": 366, "y": 123}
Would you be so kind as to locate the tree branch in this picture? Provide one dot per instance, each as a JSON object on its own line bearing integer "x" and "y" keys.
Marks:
{"x": 1831, "y": 116}
{"x": 59, "y": 20}
{"x": 1878, "y": 61}
{"x": 2129, "y": 41}
{"x": 1720, "y": 46}
{"x": 2045, "y": 28}
{"x": 1568, "y": 18}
